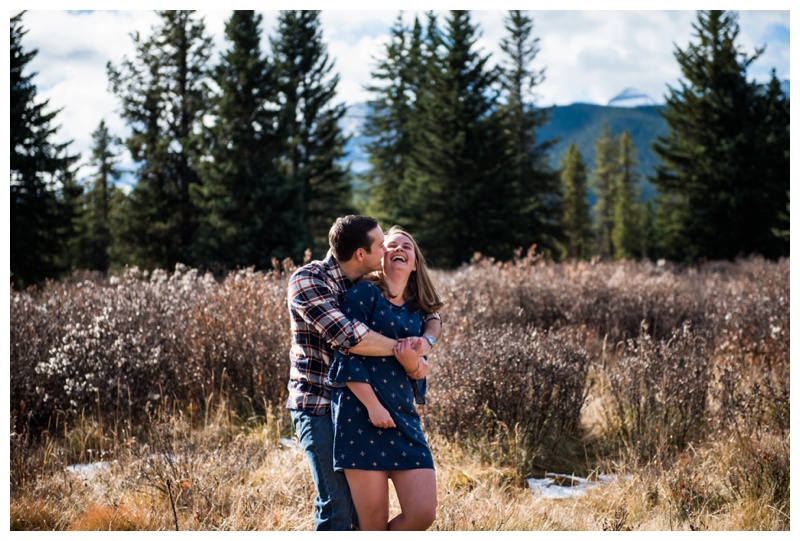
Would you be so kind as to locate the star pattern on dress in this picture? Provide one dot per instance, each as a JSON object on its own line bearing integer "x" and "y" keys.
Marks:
{"x": 360, "y": 442}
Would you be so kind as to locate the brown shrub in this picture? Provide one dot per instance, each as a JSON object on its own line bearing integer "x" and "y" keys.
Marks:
{"x": 511, "y": 379}
{"x": 659, "y": 391}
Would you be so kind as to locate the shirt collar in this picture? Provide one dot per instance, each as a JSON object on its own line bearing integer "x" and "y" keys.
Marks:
{"x": 335, "y": 271}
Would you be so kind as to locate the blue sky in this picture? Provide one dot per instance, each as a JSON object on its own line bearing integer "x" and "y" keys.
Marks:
{"x": 588, "y": 55}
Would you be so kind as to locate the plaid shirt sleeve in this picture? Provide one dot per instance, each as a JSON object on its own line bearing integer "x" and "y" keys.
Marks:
{"x": 311, "y": 298}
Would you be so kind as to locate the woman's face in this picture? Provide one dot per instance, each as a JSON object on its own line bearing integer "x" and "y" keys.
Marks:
{"x": 399, "y": 254}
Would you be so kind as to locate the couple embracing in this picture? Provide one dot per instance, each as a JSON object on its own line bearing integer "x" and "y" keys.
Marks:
{"x": 363, "y": 321}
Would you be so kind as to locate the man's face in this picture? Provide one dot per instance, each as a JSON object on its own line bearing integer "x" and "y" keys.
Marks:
{"x": 374, "y": 259}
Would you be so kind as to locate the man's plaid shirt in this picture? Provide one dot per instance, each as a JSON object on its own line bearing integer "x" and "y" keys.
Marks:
{"x": 318, "y": 326}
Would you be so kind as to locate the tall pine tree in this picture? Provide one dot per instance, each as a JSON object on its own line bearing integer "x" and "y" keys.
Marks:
{"x": 461, "y": 151}
{"x": 535, "y": 186}
{"x": 576, "y": 220}
{"x": 309, "y": 128}
{"x": 41, "y": 175}
{"x": 602, "y": 181}
{"x": 388, "y": 121}
{"x": 164, "y": 97}
{"x": 628, "y": 231}
{"x": 97, "y": 240}
{"x": 245, "y": 208}
{"x": 725, "y": 160}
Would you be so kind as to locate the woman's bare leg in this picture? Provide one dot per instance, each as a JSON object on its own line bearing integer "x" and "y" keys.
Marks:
{"x": 370, "y": 492}
{"x": 416, "y": 492}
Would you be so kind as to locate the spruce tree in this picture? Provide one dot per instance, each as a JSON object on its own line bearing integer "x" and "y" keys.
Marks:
{"x": 388, "y": 121}
{"x": 576, "y": 220}
{"x": 460, "y": 154}
{"x": 245, "y": 208}
{"x": 628, "y": 227}
{"x": 724, "y": 171}
{"x": 604, "y": 174}
{"x": 97, "y": 239}
{"x": 308, "y": 127}
{"x": 164, "y": 98}
{"x": 535, "y": 187}
{"x": 41, "y": 220}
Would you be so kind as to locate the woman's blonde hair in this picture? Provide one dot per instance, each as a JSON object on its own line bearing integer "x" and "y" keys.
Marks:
{"x": 420, "y": 292}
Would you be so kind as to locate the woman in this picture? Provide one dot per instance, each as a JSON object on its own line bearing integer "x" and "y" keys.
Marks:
{"x": 377, "y": 428}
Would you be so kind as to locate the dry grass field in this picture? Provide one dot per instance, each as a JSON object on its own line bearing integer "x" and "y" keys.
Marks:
{"x": 153, "y": 401}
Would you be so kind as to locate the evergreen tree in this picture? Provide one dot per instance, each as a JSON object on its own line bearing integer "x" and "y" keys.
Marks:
{"x": 164, "y": 97}
{"x": 535, "y": 187}
{"x": 309, "y": 127}
{"x": 628, "y": 226}
{"x": 97, "y": 239}
{"x": 576, "y": 221}
{"x": 246, "y": 212}
{"x": 602, "y": 181}
{"x": 725, "y": 159}
{"x": 41, "y": 221}
{"x": 72, "y": 222}
{"x": 388, "y": 122}
{"x": 461, "y": 152}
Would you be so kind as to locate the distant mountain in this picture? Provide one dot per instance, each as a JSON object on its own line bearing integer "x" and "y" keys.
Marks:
{"x": 582, "y": 124}
{"x": 630, "y": 97}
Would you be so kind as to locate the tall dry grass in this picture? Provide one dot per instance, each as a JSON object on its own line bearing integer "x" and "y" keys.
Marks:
{"x": 674, "y": 379}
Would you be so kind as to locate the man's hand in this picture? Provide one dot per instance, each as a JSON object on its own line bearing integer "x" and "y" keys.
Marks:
{"x": 426, "y": 347}
{"x": 380, "y": 417}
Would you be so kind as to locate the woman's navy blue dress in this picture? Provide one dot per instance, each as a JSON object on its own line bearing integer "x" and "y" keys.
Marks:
{"x": 357, "y": 444}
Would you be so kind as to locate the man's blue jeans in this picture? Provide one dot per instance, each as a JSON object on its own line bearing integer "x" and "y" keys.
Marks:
{"x": 333, "y": 506}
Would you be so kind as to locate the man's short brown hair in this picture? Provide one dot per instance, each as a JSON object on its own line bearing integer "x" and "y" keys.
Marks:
{"x": 349, "y": 233}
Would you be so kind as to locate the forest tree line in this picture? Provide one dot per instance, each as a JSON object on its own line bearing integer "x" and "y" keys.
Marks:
{"x": 240, "y": 162}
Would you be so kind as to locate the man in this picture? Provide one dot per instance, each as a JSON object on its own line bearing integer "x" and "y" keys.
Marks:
{"x": 319, "y": 326}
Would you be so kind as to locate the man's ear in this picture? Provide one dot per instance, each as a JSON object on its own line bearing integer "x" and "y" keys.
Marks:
{"x": 359, "y": 254}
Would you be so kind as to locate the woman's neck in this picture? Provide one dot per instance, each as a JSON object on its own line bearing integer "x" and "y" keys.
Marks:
{"x": 397, "y": 287}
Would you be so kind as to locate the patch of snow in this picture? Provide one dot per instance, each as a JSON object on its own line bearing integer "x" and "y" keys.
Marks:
{"x": 560, "y": 486}
{"x": 85, "y": 471}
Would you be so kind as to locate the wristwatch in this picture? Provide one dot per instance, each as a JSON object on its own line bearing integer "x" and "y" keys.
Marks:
{"x": 431, "y": 340}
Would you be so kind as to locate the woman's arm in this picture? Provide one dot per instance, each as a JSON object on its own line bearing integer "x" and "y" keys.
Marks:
{"x": 378, "y": 415}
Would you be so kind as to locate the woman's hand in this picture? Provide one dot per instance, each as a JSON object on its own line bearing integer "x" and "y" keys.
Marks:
{"x": 380, "y": 417}
{"x": 422, "y": 371}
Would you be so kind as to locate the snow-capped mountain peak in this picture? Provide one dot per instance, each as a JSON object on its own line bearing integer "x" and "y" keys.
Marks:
{"x": 630, "y": 97}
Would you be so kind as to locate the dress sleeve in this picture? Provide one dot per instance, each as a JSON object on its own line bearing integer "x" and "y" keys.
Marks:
{"x": 358, "y": 305}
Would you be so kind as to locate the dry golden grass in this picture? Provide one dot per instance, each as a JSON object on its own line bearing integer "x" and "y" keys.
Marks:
{"x": 226, "y": 476}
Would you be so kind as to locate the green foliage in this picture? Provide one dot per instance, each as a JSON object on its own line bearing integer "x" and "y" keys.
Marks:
{"x": 629, "y": 232}
{"x": 452, "y": 205}
{"x": 42, "y": 186}
{"x": 246, "y": 207}
{"x": 603, "y": 180}
{"x": 164, "y": 97}
{"x": 576, "y": 220}
{"x": 311, "y": 138}
{"x": 533, "y": 212}
{"x": 389, "y": 121}
{"x": 97, "y": 239}
{"x": 725, "y": 159}
{"x": 458, "y": 152}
